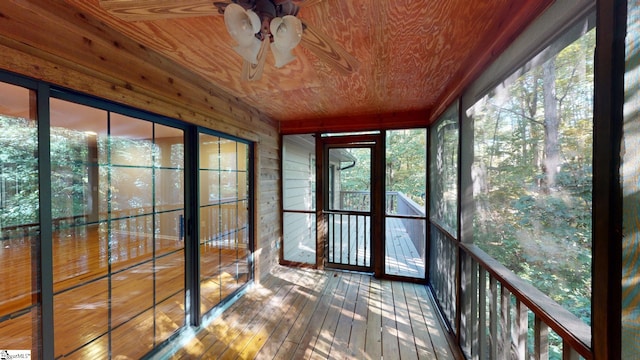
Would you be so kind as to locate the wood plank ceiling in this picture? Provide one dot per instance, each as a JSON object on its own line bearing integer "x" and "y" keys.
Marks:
{"x": 414, "y": 57}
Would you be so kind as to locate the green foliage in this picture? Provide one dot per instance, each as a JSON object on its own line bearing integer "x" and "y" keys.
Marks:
{"x": 18, "y": 171}
{"x": 534, "y": 219}
{"x": 356, "y": 178}
{"x": 406, "y": 163}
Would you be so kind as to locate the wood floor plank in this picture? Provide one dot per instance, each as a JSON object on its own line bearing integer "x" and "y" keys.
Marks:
{"x": 326, "y": 337}
{"x": 358, "y": 334}
{"x": 422, "y": 338}
{"x": 227, "y": 334}
{"x": 300, "y": 328}
{"x": 216, "y": 336}
{"x": 340, "y": 345}
{"x": 313, "y": 314}
{"x": 390, "y": 346}
{"x": 277, "y": 312}
{"x": 436, "y": 330}
{"x": 373, "y": 341}
{"x": 291, "y": 317}
{"x": 406, "y": 339}
{"x": 307, "y": 343}
{"x": 253, "y": 329}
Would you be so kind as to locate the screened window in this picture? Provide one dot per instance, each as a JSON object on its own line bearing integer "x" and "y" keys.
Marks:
{"x": 405, "y": 196}
{"x": 444, "y": 172}
{"x": 299, "y": 198}
{"x": 532, "y": 170}
{"x": 443, "y": 210}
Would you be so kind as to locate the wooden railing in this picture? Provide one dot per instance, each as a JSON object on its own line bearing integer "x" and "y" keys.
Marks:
{"x": 355, "y": 200}
{"x": 396, "y": 205}
{"x": 510, "y": 312}
{"x": 399, "y": 204}
{"x": 494, "y": 313}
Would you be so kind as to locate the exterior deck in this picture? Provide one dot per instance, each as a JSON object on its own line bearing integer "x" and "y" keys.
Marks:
{"x": 401, "y": 258}
{"x": 350, "y": 241}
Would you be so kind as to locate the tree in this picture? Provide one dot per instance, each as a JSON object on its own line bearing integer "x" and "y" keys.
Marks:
{"x": 533, "y": 138}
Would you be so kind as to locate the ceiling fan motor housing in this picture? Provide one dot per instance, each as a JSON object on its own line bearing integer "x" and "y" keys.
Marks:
{"x": 286, "y": 7}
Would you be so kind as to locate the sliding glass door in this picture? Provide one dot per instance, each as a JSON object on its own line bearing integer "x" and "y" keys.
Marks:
{"x": 102, "y": 240}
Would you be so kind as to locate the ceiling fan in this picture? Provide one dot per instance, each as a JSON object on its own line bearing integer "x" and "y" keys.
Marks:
{"x": 256, "y": 25}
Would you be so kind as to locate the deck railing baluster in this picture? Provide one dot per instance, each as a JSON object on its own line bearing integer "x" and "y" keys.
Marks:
{"x": 522, "y": 325}
{"x": 482, "y": 314}
{"x": 366, "y": 257}
{"x": 349, "y": 239}
{"x": 510, "y": 302}
{"x": 473, "y": 329}
{"x": 493, "y": 317}
{"x": 569, "y": 353}
{"x": 541, "y": 339}
{"x": 341, "y": 233}
{"x": 505, "y": 323}
{"x": 333, "y": 242}
{"x": 357, "y": 236}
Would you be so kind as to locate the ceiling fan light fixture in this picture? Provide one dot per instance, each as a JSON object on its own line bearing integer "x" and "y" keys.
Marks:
{"x": 242, "y": 25}
{"x": 287, "y": 33}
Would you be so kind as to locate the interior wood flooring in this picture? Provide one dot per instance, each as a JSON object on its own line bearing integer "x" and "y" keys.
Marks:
{"x": 311, "y": 314}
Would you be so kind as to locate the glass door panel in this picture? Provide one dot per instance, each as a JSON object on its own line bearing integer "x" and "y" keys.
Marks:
{"x": 118, "y": 243}
{"x": 224, "y": 218}
{"x": 19, "y": 220}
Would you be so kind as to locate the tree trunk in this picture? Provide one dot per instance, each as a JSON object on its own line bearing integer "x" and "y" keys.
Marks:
{"x": 551, "y": 125}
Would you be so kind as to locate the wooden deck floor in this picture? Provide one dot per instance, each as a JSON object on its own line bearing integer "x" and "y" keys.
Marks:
{"x": 401, "y": 258}
{"x": 312, "y": 314}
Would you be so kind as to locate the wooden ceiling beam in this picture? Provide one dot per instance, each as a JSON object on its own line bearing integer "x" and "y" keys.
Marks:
{"x": 404, "y": 120}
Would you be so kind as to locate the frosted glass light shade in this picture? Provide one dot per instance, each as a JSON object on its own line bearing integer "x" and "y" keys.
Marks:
{"x": 287, "y": 33}
{"x": 243, "y": 25}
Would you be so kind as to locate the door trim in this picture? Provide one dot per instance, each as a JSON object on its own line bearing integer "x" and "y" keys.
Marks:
{"x": 375, "y": 142}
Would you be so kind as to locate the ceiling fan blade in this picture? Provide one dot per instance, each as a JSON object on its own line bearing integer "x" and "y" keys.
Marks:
{"x": 253, "y": 72}
{"x": 328, "y": 51}
{"x": 142, "y": 10}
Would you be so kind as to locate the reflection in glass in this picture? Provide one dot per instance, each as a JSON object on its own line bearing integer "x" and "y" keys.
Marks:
{"x": 224, "y": 218}
{"x": 118, "y": 210}
{"x": 118, "y": 227}
{"x": 19, "y": 219}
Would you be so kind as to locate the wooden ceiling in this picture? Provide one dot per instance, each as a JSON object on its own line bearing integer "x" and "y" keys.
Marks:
{"x": 414, "y": 56}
